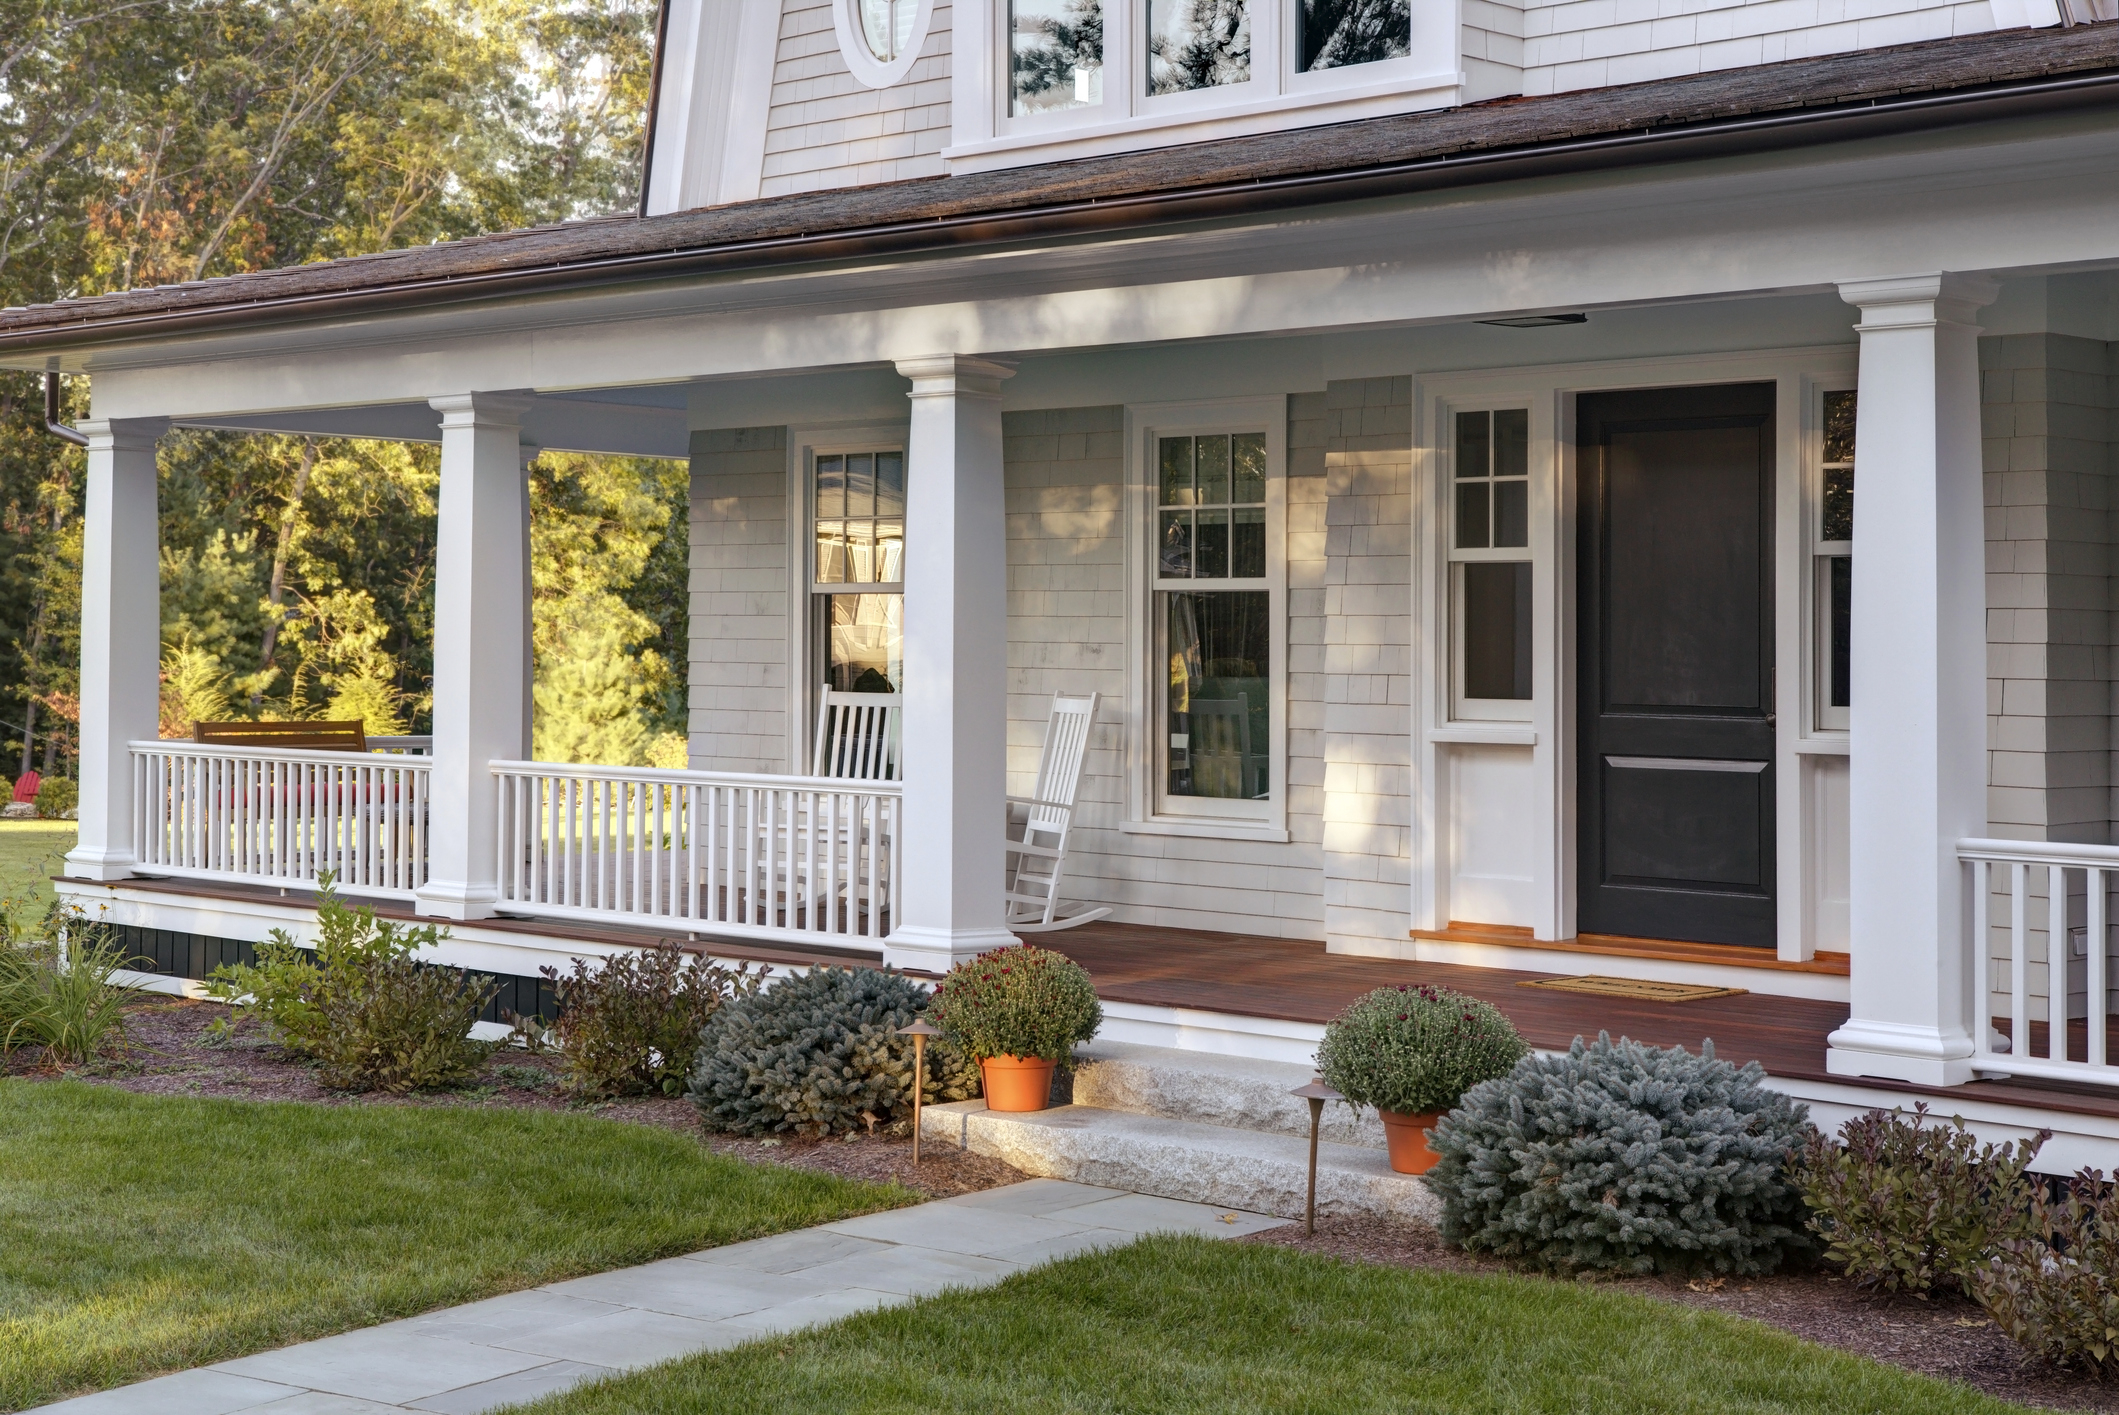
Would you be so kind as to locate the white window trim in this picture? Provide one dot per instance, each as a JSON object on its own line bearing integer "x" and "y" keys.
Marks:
{"x": 853, "y": 45}
{"x": 1824, "y": 727}
{"x": 804, "y": 446}
{"x": 985, "y": 135}
{"x": 1144, "y": 422}
{"x": 1551, "y": 737}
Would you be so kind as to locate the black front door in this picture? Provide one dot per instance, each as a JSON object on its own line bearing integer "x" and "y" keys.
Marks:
{"x": 1676, "y": 655}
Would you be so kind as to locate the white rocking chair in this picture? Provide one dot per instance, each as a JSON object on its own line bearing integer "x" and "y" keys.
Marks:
{"x": 1039, "y": 825}
{"x": 857, "y": 735}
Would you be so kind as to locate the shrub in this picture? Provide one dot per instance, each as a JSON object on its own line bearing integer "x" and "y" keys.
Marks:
{"x": 57, "y": 993}
{"x": 57, "y": 797}
{"x": 373, "y": 1017}
{"x": 816, "y": 1053}
{"x": 632, "y": 1024}
{"x": 1416, "y": 1049}
{"x": 2055, "y": 1290}
{"x": 1623, "y": 1157}
{"x": 1018, "y": 1001}
{"x": 1906, "y": 1206}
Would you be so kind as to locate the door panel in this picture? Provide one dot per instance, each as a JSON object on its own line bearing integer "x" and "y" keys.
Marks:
{"x": 1675, "y": 646}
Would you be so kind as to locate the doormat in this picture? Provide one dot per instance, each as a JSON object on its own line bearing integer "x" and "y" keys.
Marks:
{"x": 1632, "y": 989}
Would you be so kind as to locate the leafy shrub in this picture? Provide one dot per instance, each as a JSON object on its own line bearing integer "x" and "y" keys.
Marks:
{"x": 56, "y": 797}
{"x": 816, "y": 1053}
{"x": 1907, "y": 1206}
{"x": 2055, "y": 1291}
{"x": 632, "y": 1024}
{"x": 373, "y": 1017}
{"x": 1624, "y": 1157}
{"x": 57, "y": 993}
{"x": 1018, "y": 1001}
{"x": 1415, "y": 1049}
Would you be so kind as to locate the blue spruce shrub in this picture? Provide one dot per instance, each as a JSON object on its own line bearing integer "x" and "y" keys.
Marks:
{"x": 1621, "y": 1157}
{"x": 818, "y": 1054}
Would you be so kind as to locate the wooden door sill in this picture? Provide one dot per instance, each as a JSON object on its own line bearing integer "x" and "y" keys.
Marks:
{"x": 1726, "y": 955}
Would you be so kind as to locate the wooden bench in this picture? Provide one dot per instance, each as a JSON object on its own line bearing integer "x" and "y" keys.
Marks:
{"x": 328, "y": 736}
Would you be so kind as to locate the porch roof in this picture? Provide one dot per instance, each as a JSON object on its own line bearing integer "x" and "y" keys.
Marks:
{"x": 1798, "y": 102}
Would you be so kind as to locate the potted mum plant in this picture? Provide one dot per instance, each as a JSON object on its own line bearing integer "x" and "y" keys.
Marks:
{"x": 1412, "y": 1053}
{"x": 1017, "y": 1011}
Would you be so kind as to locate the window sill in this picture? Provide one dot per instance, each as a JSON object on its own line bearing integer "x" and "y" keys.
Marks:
{"x": 1204, "y": 829}
{"x": 1336, "y": 104}
{"x": 1824, "y": 744}
{"x": 1483, "y": 734}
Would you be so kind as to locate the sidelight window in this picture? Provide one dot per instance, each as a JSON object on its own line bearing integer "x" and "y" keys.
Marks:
{"x": 1833, "y": 562}
{"x": 1490, "y": 570}
{"x": 857, "y": 575}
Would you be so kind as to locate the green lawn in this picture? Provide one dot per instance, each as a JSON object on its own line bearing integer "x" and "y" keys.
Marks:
{"x": 144, "y": 1234}
{"x": 31, "y": 852}
{"x": 1186, "y": 1324}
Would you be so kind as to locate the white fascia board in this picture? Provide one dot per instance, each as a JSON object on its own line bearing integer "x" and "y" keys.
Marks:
{"x": 1712, "y": 230}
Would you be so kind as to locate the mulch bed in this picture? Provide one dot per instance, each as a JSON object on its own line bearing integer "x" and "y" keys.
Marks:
{"x": 170, "y": 1053}
{"x": 1948, "y": 1337}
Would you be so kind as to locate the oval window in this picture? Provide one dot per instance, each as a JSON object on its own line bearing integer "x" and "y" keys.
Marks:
{"x": 886, "y": 25}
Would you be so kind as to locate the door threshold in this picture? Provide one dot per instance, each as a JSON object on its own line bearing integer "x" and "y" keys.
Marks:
{"x": 1728, "y": 955}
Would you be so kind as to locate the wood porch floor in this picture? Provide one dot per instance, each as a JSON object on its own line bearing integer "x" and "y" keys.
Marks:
{"x": 1292, "y": 981}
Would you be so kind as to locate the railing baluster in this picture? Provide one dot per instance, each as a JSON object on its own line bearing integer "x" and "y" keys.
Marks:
{"x": 2094, "y": 1007}
{"x": 2056, "y": 952}
{"x": 2019, "y": 963}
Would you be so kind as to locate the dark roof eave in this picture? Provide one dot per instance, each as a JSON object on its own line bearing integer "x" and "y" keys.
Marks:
{"x": 1879, "y": 116}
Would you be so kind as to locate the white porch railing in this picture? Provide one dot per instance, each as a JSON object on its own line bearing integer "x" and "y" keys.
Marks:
{"x": 281, "y": 815}
{"x": 792, "y": 858}
{"x": 2041, "y": 941}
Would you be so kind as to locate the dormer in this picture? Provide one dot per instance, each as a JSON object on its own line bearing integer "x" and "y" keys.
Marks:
{"x": 767, "y": 97}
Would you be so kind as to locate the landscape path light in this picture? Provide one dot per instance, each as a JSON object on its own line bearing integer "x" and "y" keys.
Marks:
{"x": 1316, "y": 1093}
{"x": 919, "y": 1031}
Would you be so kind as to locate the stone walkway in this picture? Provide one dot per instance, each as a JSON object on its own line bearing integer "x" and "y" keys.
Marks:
{"x": 504, "y": 1350}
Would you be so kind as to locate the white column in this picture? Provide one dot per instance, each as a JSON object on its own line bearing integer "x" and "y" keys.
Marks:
{"x": 1918, "y": 714}
{"x": 956, "y": 652}
{"x": 121, "y": 637}
{"x": 480, "y": 653}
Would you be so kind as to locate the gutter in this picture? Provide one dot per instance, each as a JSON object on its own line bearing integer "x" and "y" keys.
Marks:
{"x": 52, "y": 424}
{"x": 1714, "y": 138}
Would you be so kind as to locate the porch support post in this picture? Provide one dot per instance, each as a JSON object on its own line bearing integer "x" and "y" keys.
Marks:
{"x": 480, "y": 648}
{"x": 956, "y": 649}
{"x": 121, "y": 637}
{"x": 1917, "y": 743}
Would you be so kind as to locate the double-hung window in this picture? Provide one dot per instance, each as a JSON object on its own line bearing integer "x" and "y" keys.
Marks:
{"x": 857, "y": 569}
{"x": 1214, "y": 606}
{"x": 1832, "y": 556}
{"x": 1490, "y": 564}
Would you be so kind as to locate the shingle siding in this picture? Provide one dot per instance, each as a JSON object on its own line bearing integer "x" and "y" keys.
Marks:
{"x": 827, "y": 129}
{"x": 739, "y": 629}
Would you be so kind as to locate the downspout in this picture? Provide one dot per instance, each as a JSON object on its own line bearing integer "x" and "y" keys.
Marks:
{"x": 654, "y": 101}
{"x": 52, "y": 424}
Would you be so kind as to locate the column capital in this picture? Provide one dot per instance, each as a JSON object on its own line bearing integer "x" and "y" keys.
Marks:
{"x": 122, "y": 434}
{"x": 1922, "y": 296}
{"x": 940, "y": 375}
{"x": 482, "y": 409}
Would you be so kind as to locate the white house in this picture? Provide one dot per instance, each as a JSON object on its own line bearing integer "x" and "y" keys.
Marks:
{"x": 1434, "y": 430}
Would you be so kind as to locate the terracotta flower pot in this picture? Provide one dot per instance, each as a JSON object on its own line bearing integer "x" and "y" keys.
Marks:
{"x": 1017, "y": 1082}
{"x": 1407, "y": 1137}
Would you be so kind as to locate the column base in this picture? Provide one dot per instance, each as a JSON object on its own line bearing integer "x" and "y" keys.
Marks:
{"x": 926, "y": 950}
{"x": 458, "y": 903}
{"x": 85, "y": 862}
{"x": 1889, "y": 1051}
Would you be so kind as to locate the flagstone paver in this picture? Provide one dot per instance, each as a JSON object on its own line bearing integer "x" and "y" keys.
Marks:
{"x": 505, "y": 1350}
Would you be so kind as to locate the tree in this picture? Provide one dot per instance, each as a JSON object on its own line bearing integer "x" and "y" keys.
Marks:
{"x": 144, "y": 141}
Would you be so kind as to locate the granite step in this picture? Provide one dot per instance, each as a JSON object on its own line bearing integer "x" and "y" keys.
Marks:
{"x": 1259, "y": 1171}
{"x": 1233, "y": 1092}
